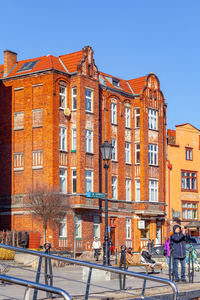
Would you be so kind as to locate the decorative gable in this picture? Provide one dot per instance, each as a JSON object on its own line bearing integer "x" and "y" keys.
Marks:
{"x": 87, "y": 65}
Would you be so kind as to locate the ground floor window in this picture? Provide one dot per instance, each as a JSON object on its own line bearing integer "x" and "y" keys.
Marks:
{"x": 145, "y": 233}
{"x": 128, "y": 228}
{"x": 63, "y": 228}
{"x": 78, "y": 226}
{"x": 96, "y": 226}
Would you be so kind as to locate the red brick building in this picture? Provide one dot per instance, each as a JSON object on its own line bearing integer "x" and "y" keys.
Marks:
{"x": 55, "y": 114}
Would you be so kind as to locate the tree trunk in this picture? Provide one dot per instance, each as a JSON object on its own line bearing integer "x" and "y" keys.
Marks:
{"x": 45, "y": 229}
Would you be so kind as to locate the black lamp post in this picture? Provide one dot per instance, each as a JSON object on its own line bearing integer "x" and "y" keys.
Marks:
{"x": 106, "y": 151}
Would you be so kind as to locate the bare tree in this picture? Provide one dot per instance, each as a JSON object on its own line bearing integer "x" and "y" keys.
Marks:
{"x": 48, "y": 205}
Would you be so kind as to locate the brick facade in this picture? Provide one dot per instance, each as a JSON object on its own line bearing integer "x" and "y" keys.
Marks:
{"x": 31, "y": 122}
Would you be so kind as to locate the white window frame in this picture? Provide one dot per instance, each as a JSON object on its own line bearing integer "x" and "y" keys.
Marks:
{"x": 77, "y": 226}
{"x": 74, "y": 177}
{"x": 96, "y": 227}
{"x": 137, "y": 190}
{"x": 127, "y": 117}
{"x": 74, "y": 98}
{"x": 127, "y": 152}
{"x": 64, "y": 176}
{"x": 62, "y": 138}
{"x": 152, "y": 119}
{"x": 63, "y": 228}
{"x": 114, "y": 149}
{"x": 88, "y": 141}
{"x": 37, "y": 159}
{"x": 62, "y": 94}
{"x": 128, "y": 189}
{"x": 137, "y": 116}
{"x": 18, "y": 161}
{"x": 153, "y": 154}
{"x": 114, "y": 187}
{"x": 113, "y": 108}
{"x": 137, "y": 150}
{"x": 88, "y": 100}
{"x": 88, "y": 180}
{"x": 73, "y": 139}
{"x": 153, "y": 190}
{"x": 128, "y": 229}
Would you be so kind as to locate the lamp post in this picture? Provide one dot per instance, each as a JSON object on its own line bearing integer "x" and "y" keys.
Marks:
{"x": 106, "y": 151}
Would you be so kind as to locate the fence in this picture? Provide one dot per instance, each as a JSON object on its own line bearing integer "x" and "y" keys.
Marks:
{"x": 91, "y": 266}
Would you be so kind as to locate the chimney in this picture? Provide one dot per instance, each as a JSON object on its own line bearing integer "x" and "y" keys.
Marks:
{"x": 10, "y": 59}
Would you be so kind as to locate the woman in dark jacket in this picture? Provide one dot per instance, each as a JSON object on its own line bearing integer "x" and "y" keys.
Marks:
{"x": 177, "y": 242}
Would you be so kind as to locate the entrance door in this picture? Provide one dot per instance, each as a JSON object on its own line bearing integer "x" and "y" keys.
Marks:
{"x": 112, "y": 236}
{"x": 158, "y": 236}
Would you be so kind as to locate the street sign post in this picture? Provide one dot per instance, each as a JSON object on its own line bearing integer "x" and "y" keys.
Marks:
{"x": 95, "y": 195}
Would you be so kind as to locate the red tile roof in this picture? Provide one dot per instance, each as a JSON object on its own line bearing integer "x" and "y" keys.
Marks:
{"x": 71, "y": 60}
{"x": 171, "y": 132}
{"x": 137, "y": 84}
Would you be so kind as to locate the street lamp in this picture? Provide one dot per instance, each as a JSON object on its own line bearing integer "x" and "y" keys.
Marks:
{"x": 106, "y": 151}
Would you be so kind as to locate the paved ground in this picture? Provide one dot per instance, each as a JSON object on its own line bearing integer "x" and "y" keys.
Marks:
{"x": 69, "y": 278}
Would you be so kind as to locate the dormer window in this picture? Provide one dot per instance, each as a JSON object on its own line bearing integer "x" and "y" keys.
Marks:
{"x": 116, "y": 82}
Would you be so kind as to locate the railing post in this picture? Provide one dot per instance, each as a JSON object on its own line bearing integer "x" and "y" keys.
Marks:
{"x": 143, "y": 288}
{"x": 88, "y": 284}
{"x": 27, "y": 294}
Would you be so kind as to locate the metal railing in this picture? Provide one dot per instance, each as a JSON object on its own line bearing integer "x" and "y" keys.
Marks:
{"x": 33, "y": 285}
{"x": 91, "y": 266}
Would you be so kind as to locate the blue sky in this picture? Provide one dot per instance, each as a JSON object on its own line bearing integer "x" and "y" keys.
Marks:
{"x": 130, "y": 39}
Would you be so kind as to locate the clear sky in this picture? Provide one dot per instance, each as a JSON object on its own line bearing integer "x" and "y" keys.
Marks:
{"x": 130, "y": 38}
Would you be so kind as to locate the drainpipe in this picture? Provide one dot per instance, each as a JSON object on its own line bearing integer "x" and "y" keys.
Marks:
{"x": 169, "y": 166}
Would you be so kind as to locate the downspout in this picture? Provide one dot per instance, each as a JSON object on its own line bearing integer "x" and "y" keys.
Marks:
{"x": 169, "y": 166}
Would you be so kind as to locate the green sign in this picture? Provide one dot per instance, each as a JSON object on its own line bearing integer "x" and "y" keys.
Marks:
{"x": 95, "y": 195}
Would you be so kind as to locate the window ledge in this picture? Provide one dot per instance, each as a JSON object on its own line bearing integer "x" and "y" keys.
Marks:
{"x": 150, "y": 165}
{"x": 89, "y": 153}
{"x": 19, "y": 128}
{"x": 64, "y": 151}
{"x": 89, "y": 112}
{"x": 114, "y": 124}
{"x": 74, "y": 110}
{"x": 187, "y": 190}
{"x": 62, "y": 108}
{"x": 78, "y": 238}
{"x": 18, "y": 169}
{"x": 129, "y": 128}
{"x": 156, "y": 130}
{"x": 73, "y": 151}
{"x": 128, "y": 163}
{"x": 114, "y": 161}
{"x": 37, "y": 167}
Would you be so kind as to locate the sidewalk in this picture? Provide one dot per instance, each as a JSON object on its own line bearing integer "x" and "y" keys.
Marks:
{"x": 69, "y": 278}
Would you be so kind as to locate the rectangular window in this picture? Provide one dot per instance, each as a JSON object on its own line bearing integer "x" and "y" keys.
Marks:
{"x": 88, "y": 141}
{"x": 127, "y": 117}
{"x": 63, "y": 228}
{"x": 63, "y": 180}
{"x": 188, "y": 153}
{"x": 37, "y": 159}
{"x": 73, "y": 181}
{"x": 73, "y": 139}
{"x": 189, "y": 180}
{"x": 128, "y": 229}
{"x": 153, "y": 154}
{"x": 127, "y": 152}
{"x": 88, "y": 181}
{"x": 137, "y": 118}
{"x": 96, "y": 226}
{"x": 88, "y": 100}
{"x": 189, "y": 210}
{"x": 77, "y": 226}
{"x": 18, "y": 120}
{"x": 18, "y": 159}
{"x": 74, "y": 98}
{"x": 114, "y": 187}
{"x": 37, "y": 117}
{"x": 113, "y": 113}
{"x": 137, "y": 190}
{"x": 153, "y": 119}
{"x": 137, "y": 153}
{"x": 153, "y": 190}
{"x": 63, "y": 138}
{"x": 128, "y": 189}
{"x": 62, "y": 96}
{"x": 114, "y": 149}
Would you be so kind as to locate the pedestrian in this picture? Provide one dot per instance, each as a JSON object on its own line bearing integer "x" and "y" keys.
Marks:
{"x": 166, "y": 252}
{"x": 177, "y": 242}
{"x": 150, "y": 245}
{"x": 146, "y": 257}
{"x": 96, "y": 246}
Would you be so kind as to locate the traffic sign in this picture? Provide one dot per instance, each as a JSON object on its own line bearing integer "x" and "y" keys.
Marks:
{"x": 95, "y": 195}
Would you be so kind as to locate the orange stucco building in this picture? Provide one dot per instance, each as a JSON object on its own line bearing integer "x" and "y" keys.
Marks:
{"x": 183, "y": 180}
